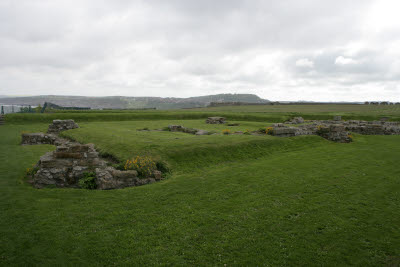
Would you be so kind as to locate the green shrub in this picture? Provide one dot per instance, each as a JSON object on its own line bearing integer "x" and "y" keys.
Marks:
{"x": 144, "y": 165}
{"x": 350, "y": 137}
{"x": 88, "y": 181}
{"x": 226, "y": 131}
{"x": 262, "y": 130}
{"x": 119, "y": 166}
{"x": 30, "y": 172}
{"x": 269, "y": 130}
{"x": 163, "y": 167}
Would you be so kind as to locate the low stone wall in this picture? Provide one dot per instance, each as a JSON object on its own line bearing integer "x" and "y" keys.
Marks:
{"x": 110, "y": 178}
{"x": 336, "y": 133}
{"x": 65, "y": 166}
{"x": 296, "y": 120}
{"x": 336, "y": 130}
{"x": 180, "y": 128}
{"x": 284, "y": 131}
{"x": 362, "y": 127}
{"x": 38, "y": 139}
{"x": 61, "y": 125}
{"x": 373, "y": 128}
{"x": 216, "y": 120}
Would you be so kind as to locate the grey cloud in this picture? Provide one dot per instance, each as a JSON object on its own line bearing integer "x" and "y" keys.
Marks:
{"x": 180, "y": 47}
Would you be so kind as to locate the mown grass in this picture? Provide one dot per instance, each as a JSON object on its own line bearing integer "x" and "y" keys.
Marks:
{"x": 18, "y": 118}
{"x": 181, "y": 150}
{"x": 269, "y": 113}
{"x": 289, "y": 201}
{"x": 332, "y": 109}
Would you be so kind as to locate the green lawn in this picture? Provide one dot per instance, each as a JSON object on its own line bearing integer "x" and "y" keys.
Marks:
{"x": 234, "y": 200}
{"x": 124, "y": 141}
{"x": 332, "y": 109}
{"x": 257, "y": 113}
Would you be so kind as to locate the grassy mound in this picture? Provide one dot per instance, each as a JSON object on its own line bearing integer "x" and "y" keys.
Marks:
{"x": 123, "y": 141}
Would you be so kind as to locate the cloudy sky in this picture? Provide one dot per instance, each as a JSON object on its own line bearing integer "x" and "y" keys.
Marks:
{"x": 319, "y": 50}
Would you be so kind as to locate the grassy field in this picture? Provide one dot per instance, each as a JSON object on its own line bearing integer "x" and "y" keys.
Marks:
{"x": 234, "y": 200}
{"x": 182, "y": 150}
{"x": 313, "y": 109}
{"x": 259, "y": 113}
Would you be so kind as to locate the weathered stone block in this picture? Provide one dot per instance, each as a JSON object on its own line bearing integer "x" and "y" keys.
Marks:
{"x": 157, "y": 175}
{"x": 61, "y": 149}
{"x": 297, "y": 120}
{"x": 336, "y": 128}
{"x": 202, "y": 132}
{"x": 93, "y": 155}
{"x": 68, "y": 155}
{"x": 37, "y": 139}
{"x": 176, "y": 128}
{"x": 216, "y": 120}
{"x": 78, "y": 148}
{"x": 189, "y": 130}
{"x": 124, "y": 174}
{"x": 144, "y": 181}
{"x": 109, "y": 178}
{"x": 284, "y": 131}
{"x": 61, "y": 125}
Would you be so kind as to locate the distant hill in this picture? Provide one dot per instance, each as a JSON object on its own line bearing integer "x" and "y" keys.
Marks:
{"x": 124, "y": 102}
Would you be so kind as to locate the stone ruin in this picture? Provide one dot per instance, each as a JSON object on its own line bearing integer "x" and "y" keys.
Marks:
{"x": 336, "y": 133}
{"x": 65, "y": 166}
{"x": 216, "y": 120}
{"x": 373, "y": 127}
{"x": 334, "y": 130}
{"x": 180, "y": 128}
{"x": 38, "y": 139}
{"x": 337, "y": 130}
{"x": 283, "y": 131}
{"x": 296, "y": 120}
{"x": 61, "y": 125}
{"x": 51, "y": 137}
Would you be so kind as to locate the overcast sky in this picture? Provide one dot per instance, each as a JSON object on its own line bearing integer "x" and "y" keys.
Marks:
{"x": 319, "y": 50}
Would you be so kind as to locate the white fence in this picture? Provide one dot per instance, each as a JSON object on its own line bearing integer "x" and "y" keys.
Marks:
{"x": 11, "y": 108}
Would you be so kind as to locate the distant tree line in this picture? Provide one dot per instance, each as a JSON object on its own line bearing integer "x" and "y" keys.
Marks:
{"x": 381, "y": 103}
{"x": 48, "y": 105}
{"x": 221, "y": 104}
{"x": 29, "y": 109}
